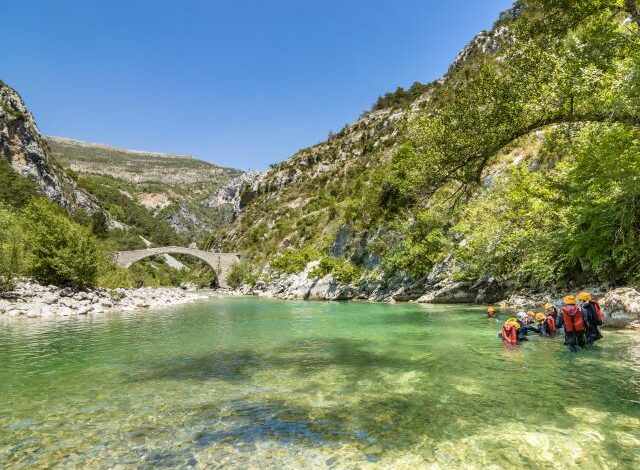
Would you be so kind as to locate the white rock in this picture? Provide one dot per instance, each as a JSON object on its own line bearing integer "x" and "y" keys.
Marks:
{"x": 96, "y": 308}
{"x": 50, "y": 298}
{"x": 621, "y": 306}
{"x": 84, "y": 310}
{"x": 64, "y": 311}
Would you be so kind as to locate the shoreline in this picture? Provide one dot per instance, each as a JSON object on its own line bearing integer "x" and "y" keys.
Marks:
{"x": 621, "y": 305}
{"x": 30, "y": 299}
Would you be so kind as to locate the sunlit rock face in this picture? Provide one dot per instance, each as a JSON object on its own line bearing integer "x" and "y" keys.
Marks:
{"x": 22, "y": 146}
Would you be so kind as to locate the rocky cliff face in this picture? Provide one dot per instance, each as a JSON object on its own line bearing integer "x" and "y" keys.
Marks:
{"x": 23, "y": 147}
{"x": 237, "y": 191}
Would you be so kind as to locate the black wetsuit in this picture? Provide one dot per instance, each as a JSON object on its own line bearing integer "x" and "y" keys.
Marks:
{"x": 557, "y": 316}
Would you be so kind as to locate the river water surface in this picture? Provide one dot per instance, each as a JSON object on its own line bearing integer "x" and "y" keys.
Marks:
{"x": 253, "y": 383}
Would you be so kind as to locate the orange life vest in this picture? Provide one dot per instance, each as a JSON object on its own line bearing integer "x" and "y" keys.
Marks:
{"x": 572, "y": 317}
{"x": 551, "y": 325}
{"x": 509, "y": 334}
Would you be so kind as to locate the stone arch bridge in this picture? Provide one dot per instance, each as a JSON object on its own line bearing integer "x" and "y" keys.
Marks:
{"x": 221, "y": 263}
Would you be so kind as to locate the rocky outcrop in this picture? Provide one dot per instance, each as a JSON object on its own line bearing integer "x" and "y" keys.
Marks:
{"x": 621, "y": 307}
{"x": 22, "y": 146}
{"x": 238, "y": 191}
{"x": 30, "y": 299}
{"x": 303, "y": 286}
{"x": 484, "y": 43}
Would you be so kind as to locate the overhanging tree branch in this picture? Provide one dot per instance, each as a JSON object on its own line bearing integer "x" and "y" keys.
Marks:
{"x": 485, "y": 155}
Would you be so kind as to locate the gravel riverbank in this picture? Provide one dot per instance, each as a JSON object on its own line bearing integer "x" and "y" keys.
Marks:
{"x": 30, "y": 299}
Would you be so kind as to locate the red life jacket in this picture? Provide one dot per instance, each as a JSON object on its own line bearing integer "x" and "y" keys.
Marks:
{"x": 551, "y": 325}
{"x": 509, "y": 334}
{"x": 599, "y": 313}
{"x": 572, "y": 317}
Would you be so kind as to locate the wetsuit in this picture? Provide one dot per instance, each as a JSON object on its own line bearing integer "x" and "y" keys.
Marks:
{"x": 557, "y": 318}
{"x": 573, "y": 327}
{"x": 590, "y": 316}
{"x": 544, "y": 329}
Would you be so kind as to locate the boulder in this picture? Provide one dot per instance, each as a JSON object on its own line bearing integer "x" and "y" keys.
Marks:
{"x": 621, "y": 306}
{"x": 64, "y": 311}
{"x": 50, "y": 298}
{"x": 83, "y": 310}
{"x": 450, "y": 292}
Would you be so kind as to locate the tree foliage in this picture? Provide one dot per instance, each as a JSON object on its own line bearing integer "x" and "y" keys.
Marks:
{"x": 59, "y": 250}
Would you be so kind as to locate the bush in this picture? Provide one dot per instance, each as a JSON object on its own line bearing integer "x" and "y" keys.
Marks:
{"x": 59, "y": 250}
{"x": 294, "y": 261}
{"x": 15, "y": 190}
{"x": 425, "y": 245}
{"x": 342, "y": 270}
{"x": 241, "y": 273}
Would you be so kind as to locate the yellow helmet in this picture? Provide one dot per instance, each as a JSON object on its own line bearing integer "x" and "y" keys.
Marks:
{"x": 531, "y": 314}
{"x": 584, "y": 297}
{"x": 569, "y": 300}
{"x": 539, "y": 316}
{"x": 548, "y": 306}
{"x": 491, "y": 310}
{"x": 513, "y": 322}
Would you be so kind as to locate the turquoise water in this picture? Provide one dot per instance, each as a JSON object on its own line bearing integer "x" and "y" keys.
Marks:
{"x": 253, "y": 383}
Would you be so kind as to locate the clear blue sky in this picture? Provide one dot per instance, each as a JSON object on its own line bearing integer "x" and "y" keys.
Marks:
{"x": 240, "y": 83}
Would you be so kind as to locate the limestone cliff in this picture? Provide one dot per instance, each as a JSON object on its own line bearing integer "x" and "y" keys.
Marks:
{"x": 23, "y": 147}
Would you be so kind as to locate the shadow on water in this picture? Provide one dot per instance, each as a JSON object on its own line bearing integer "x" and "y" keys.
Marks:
{"x": 387, "y": 418}
{"x": 224, "y": 365}
{"x": 303, "y": 357}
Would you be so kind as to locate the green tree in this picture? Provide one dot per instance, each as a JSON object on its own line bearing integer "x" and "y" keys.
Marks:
{"x": 11, "y": 247}
{"x": 99, "y": 224}
{"x": 59, "y": 250}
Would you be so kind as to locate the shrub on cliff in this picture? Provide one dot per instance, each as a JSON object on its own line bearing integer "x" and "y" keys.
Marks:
{"x": 15, "y": 189}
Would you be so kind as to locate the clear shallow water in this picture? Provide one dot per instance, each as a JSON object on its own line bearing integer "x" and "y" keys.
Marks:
{"x": 252, "y": 383}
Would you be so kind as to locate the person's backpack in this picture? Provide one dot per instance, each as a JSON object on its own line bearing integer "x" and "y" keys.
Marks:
{"x": 599, "y": 313}
{"x": 551, "y": 325}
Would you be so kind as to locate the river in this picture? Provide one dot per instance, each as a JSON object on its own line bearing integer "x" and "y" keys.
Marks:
{"x": 254, "y": 383}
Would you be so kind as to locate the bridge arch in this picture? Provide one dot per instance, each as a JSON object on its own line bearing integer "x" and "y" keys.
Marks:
{"x": 221, "y": 263}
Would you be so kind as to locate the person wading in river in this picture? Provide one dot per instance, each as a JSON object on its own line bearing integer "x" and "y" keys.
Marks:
{"x": 592, "y": 315}
{"x": 509, "y": 333}
{"x": 552, "y": 311}
{"x": 491, "y": 313}
{"x": 573, "y": 324}
{"x": 546, "y": 324}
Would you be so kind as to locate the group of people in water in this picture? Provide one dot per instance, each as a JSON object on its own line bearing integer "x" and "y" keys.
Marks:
{"x": 580, "y": 318}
